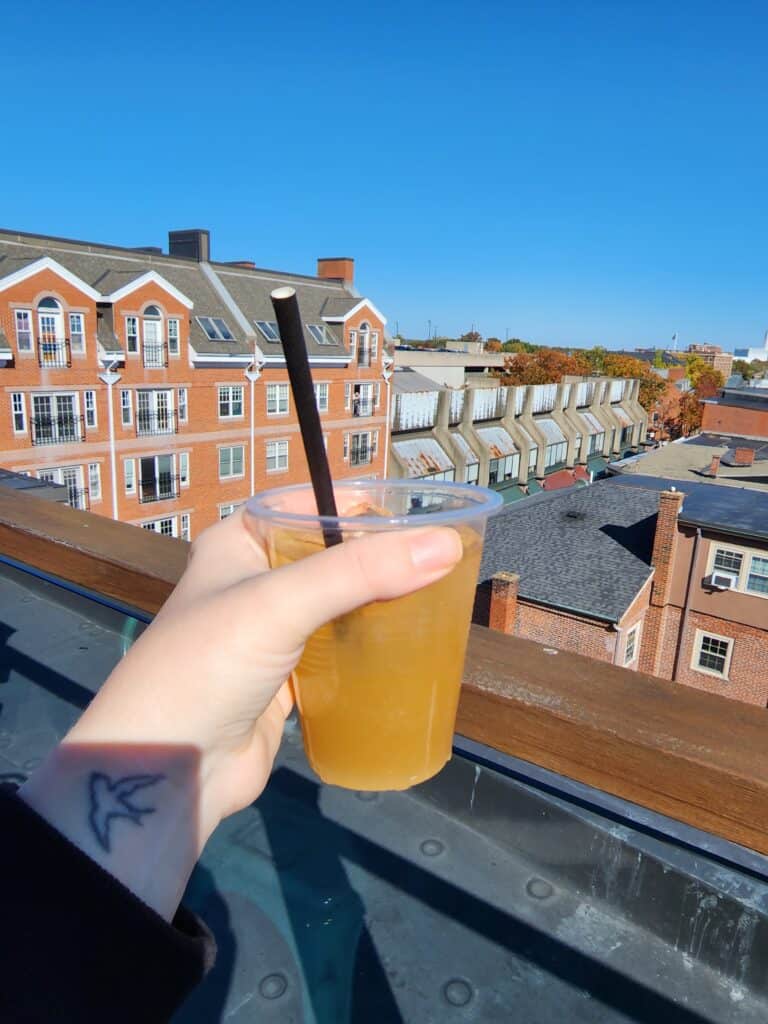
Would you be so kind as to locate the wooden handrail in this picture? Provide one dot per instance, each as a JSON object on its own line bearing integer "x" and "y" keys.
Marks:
{"x": 696, "y": 757}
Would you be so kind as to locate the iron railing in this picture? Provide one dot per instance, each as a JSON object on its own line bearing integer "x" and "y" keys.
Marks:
{"x": 156, "y": 422}
{"x": 159, "y": 488}
{"x": 61, "y": 429}
{"x": 54, "y": 353}
{"x": 155, "y": 356}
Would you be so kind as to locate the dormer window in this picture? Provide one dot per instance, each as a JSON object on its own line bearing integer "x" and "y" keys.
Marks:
{"x": 321, "y": 334}
{"x": 215, "y": 328}
{"x": 269, "y": 329}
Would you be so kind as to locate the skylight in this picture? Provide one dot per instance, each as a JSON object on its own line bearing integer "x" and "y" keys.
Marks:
{"x": 215, "y": 328}
{"x": 321, "y": 334}
{"x": 269, "y": 329}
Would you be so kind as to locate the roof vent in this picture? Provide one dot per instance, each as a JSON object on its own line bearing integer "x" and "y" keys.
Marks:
{"x": 574, "y": 513}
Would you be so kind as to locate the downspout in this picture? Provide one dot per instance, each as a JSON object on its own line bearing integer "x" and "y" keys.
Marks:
{"x": 253, "y": 373}
{"x": 110, "y": 378}
{"x": 687, "y": 605}
{"x": 386, "y": 373}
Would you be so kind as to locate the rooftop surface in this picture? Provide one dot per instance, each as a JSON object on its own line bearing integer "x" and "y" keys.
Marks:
{"x": 482, "y": 896}
{"x": 586, "y": 549}
{"x": 691, "y": 460}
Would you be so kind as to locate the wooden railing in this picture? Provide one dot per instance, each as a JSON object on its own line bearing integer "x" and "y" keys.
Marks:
{"x": 696, "y": 757}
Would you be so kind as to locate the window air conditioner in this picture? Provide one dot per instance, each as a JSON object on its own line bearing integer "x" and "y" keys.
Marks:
{"x": 721, "y": 581}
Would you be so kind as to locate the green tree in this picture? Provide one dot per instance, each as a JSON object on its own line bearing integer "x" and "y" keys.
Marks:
{"x": 516, "y": 345}
{"x": 595, "y": 357}
{"x": 658, "y": 359}
{"x": 747, "y": 370}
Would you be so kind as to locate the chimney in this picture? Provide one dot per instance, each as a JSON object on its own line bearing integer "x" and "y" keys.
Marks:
{"x": 744, "y": 456}
{"x": 503, "y": 611}
{"x": 339, "y": 268}
{"x": 191, "y": 244}
{"x": 714, "y": 466}
{"x": 665, "y": 545}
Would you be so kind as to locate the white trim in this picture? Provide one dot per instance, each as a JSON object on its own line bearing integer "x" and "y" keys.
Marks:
{"x": 742, "y": 576}
{"x": 636, "y": 652}
{"x": 363, "y": 302}
{"x": 697, "y": 641}
{"x": 47, "y": 263}
{"x": 151, "y": 277}
{"x": 226, "y": 358}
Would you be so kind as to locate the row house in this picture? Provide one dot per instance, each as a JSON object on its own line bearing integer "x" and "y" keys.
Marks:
{"x": 153, "y": 386}
{"x": 518, "y": 440}
{"x": 668, "y": 578}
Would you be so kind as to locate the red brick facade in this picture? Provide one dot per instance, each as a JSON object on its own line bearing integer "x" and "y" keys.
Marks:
{"x": 731, "y": 419}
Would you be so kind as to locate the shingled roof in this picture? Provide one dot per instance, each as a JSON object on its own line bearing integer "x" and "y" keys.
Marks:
{"x": 586, "y": 550}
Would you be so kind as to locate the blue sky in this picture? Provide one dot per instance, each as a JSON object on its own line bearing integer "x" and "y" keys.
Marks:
{"x": 572, "y": 173}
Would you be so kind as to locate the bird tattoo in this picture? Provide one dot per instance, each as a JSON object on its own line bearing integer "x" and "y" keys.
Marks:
{"x": 110, "y": 800}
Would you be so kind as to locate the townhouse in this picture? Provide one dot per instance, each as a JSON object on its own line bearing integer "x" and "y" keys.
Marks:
{"x": 153, "y": 385}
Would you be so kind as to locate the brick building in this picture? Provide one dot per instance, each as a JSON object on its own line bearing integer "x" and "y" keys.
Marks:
{"x": 714, "y": 356}
{"x": 154, "y": 387}
{"x": 740, "y": 410}
{"x": 670, "y": 582}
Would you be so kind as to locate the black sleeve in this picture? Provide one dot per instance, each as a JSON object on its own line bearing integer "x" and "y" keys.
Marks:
{"x": 76, "y": 946}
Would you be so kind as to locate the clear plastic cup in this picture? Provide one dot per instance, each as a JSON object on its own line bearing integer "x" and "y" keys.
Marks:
{"x": 377, "y": 690}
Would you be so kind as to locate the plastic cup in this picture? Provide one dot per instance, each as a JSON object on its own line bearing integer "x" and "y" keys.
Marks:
{"x": 377, "y": 690}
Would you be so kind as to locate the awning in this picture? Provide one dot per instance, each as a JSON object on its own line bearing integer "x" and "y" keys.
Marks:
{"x": 551, "y": 431}
{"x": 469, "y": 456}
{"x": 422, "y": 456}
{"x": 498, "y": 441}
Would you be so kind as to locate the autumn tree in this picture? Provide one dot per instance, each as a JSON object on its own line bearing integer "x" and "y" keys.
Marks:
{"x": 595, "y": 358}
{"x": 652, "y": 386}
{"x": 708, "y": 383}
{"x": 544, "y": 366}
{"x": 493, "y": 345}
{"x": 471, "y": 338}
{"x": 689, "y": 416}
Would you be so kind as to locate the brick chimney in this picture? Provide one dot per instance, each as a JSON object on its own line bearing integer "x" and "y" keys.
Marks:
{"x": 337, "y": 267}
{"x": 503, "y": 611}
{"x": 743, "y": 456}
{"x": 191, "y": 243}
{"x": 714, "y": 466}
{"x": 665, "y": 545}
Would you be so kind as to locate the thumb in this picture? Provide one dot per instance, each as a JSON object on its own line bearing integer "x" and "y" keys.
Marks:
{"x": 306, "y": 594}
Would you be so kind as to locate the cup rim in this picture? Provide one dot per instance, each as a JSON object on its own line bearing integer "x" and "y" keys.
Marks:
{"x": 483, "y": 503}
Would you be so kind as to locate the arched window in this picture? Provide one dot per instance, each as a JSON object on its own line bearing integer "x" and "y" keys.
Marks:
{"x": 50, "y": 321}
{"x": 364, "y": 344}
{"x": 154, "y": 349}
{"x": 152, "y": 311}
{"x": 49, "y": 303}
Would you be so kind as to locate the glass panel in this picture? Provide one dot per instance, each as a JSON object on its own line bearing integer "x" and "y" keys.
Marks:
{"x": 757, "y": 581}
{"x": 728, "y": 561}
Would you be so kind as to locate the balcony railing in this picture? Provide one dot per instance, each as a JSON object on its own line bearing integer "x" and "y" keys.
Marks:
{"x": 78, "y": 497}
{"x": 156, "y": 422}
{"x": 362, "y": 407}
{"x": 155, "y": 356}
{"x": 54, "y": 353}
{"x": 364, "y": 356}
{"x": 159, "y": 488}
{"x": 57, "y": 429}
{"x": 361, "y": 456}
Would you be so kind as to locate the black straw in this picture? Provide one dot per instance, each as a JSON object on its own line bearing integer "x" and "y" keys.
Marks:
{"x": 286, "y": 309}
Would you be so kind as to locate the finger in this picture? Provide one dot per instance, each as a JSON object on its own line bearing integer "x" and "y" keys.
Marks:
{"x": 299, "y": 598}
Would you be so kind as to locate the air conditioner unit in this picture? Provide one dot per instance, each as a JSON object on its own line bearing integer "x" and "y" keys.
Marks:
{"x": 721, "y": 581}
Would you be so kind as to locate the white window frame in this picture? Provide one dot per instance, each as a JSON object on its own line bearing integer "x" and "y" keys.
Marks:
{"x": 89, "y": 405}
{"x": 129, "y": 476}
{"x": 701, "y": 634}
{"x": 278, "y": 396}
{"x": 80, "y": 348}
{"x": 353, "y": 343}
{"x": 634, "y": 633}
{"x": 347, "y": 394}
{"x": 29, "y": 330}
{"x": 374, "y": 346}
{"x": 174, "y": 336}
{"x": 743, "y": 574}
{"x": 126, "y": 407}
{"x": 94, "y": 481}
{"x": 183, "y": 408}
{"x": 346, "y": 447}
{"x": 132, "y": 320}
{"x": 322, "y": 406}
{"x": 227, "y": 509}
{"x": 155, "y": 526}
{"x": 280, "y": 448}
{"x": 19, "y": 408}
{"x": 185, "y": 526}
{"x": 230, "y": 448}
{"x": 183, "y": 469}
{"x": 226, "y": 397}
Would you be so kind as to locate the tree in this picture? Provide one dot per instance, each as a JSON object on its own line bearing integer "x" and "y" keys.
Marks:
{"x": 667, "y": 411}
{"x": 709, "y": 383}
{"x": 471, "y": 338}
{"x": 595, "y": 358}
{"x": 516, "y": 345}
{"x": 544, "y": 366}
{"x": 747, "y": 370}
{"x": 658, "y": 359}
{"x": 689, "y": 417}
{"x": 694, "y": 367}
{"x": 652, "y": 386}
{"x": 493, "y": 345}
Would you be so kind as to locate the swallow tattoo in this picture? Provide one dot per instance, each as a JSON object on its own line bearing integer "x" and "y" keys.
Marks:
{"x": 110, "y": 800}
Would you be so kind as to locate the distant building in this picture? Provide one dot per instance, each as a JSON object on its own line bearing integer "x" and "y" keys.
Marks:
{"x": 455, "y": 345}
{"x": 742, "y": 411}
{"x": 517, "y": 440}
{"x": 673, "y": 582}
{"x": 749, "y": 354}
{"x": 728, "y": 461}
{"x": 713, "y": 356}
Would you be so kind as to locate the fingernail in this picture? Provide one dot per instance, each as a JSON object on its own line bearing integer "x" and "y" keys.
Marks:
{"x": 435, "y": 549}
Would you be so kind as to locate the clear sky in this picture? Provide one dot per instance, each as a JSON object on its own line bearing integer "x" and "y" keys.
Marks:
{"x": 570, "y": 173}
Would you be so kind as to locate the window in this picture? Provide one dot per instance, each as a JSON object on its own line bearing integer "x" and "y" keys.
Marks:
{"x": 70, "y": 477}
{"x": 362, "y": 400}
{"x": 225, "y": 511}
{"x": 321, "y": 397}
{"x": 269, "y": 329}
{"x": 184, "y": 469}
{"x": 374, "y": 344}
{"x": 173, "y": 336}
{"x": 19, "y": 413}
{"x": 182, "y": 405}
{"x": 554, "y": 454}
{"x": 277, "y": 456}
{"x": 157, "y": 481}
{"x": 55, "y": 419}
{"x": 277, "y": 399}
{"x": 94, "y": 481}
{"x": 230, "y": 401}
{"x": 712, "y": 654}
{"x": 346, "y": 447}
{"x": 472, "y": 473}
{"x": 185, "y": 530}
{"x": 23, "y": 330}
{"x": 154, "y": 412}
{"x": 630, "y": 646}
{"x": 132, "y": 333}
{"x": 215, "y": 328}
{"x": 757, "y": 580}
{"x": 727, "y": 561}
{"x": 154, "y": 346}
{"x": 129, "y": 469}
{"x": 500, "y": 469}
{"x": 533, "y": 454}
{"x": 321, "y": 334}
{"x": 377, "y": 394}
{"x": 363, "y": 346}
{"x": 362, "y": 448}
{"x": 165, "y": 527}
{"x": 126, "y": 408}
{"x": 347, "y": 395}
{"x": 90, "y": 408}
{"x": 352, "y": 343}
{"x": 76, "y": 332}
{"x": 231, "y": 461}
{"x": 596, "y": 443}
